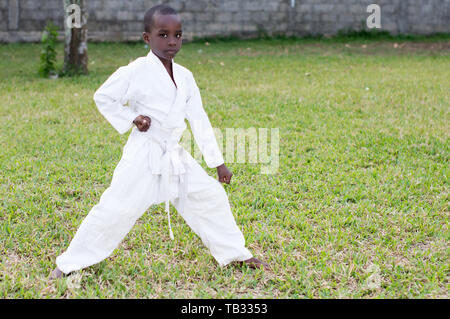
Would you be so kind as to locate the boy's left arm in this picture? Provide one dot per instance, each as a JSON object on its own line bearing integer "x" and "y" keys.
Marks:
{"x": 204, "y": 134}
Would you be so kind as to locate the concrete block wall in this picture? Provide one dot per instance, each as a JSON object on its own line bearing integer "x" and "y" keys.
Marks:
{"x": 119, "y": 20}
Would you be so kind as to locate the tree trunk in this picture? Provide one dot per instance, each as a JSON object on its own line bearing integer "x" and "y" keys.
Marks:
{"x": 75, "y": 46}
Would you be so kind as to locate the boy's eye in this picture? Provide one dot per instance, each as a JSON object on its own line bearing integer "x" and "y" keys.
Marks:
{"x": 164, "y": 35}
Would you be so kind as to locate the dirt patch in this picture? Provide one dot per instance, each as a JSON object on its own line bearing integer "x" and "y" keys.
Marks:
{"x": 429, "y": 46}
{"x": 324, "y": 48}
{"x": 403, "y": 47}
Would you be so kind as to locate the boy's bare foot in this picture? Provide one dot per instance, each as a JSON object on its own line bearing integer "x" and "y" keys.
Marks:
{"x": 255, "y": 263}
{"x": 56, "y": 273}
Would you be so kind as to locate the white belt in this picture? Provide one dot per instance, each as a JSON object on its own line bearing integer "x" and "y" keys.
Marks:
{"x": 161, "y": 160}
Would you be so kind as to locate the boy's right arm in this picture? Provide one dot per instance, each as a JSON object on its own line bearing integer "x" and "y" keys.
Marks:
{"x": 109, "y": 99}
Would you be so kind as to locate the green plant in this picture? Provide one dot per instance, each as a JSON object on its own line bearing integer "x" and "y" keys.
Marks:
{"x": 48, "y": 52}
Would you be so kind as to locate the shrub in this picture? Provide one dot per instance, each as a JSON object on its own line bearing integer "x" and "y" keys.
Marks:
{"x": 48, "y": 53}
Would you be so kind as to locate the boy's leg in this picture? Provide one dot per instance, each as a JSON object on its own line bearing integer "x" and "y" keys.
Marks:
{"x": 207, "y": 211}
{"x": 132, "y": 190}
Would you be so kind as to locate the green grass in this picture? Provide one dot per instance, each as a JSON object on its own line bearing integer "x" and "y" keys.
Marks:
{"x": 358, "y": 208}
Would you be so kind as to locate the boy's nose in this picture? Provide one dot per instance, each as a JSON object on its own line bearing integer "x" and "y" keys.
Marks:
{"x": 172, "y": 41}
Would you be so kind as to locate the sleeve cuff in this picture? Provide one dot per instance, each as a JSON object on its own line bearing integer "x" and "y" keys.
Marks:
{"x": 128, "y": 117}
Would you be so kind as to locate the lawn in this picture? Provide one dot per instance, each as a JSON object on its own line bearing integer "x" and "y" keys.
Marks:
{"x": 359, "y": 206}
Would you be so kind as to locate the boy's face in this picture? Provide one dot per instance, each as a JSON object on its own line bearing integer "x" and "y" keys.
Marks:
{"x": 165, "y": 36}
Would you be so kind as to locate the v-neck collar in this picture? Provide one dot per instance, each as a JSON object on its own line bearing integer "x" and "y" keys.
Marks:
{"x": 153, "y": 58}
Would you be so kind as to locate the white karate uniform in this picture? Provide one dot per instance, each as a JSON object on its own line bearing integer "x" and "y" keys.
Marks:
{"x": 154, "y": 168}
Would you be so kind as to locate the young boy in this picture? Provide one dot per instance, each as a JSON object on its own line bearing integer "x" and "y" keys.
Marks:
{"x": 154, "y": 168}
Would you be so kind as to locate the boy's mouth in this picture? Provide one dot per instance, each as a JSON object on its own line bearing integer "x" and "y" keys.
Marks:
{"x": 171, "y": 52}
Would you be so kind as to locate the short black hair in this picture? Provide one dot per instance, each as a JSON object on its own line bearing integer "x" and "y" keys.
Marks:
{"x": 162, "y": 9}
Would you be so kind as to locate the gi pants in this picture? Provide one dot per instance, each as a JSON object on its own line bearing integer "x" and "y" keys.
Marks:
{"x": 132, "y": 191}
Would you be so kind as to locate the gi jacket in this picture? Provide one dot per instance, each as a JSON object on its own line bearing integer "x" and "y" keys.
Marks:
{"x": 144, "y": 87}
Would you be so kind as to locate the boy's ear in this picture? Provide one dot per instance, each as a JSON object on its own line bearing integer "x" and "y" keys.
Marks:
{"x": 145, "y": 37}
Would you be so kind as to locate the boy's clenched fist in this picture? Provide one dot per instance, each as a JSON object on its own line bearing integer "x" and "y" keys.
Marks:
{"x": 142, "y": 122}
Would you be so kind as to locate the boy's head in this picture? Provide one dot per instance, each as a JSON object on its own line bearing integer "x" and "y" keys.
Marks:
{"x": 162, "y": 31}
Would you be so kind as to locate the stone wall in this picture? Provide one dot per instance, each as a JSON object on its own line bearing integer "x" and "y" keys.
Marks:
{"x": 119, "y": 20}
